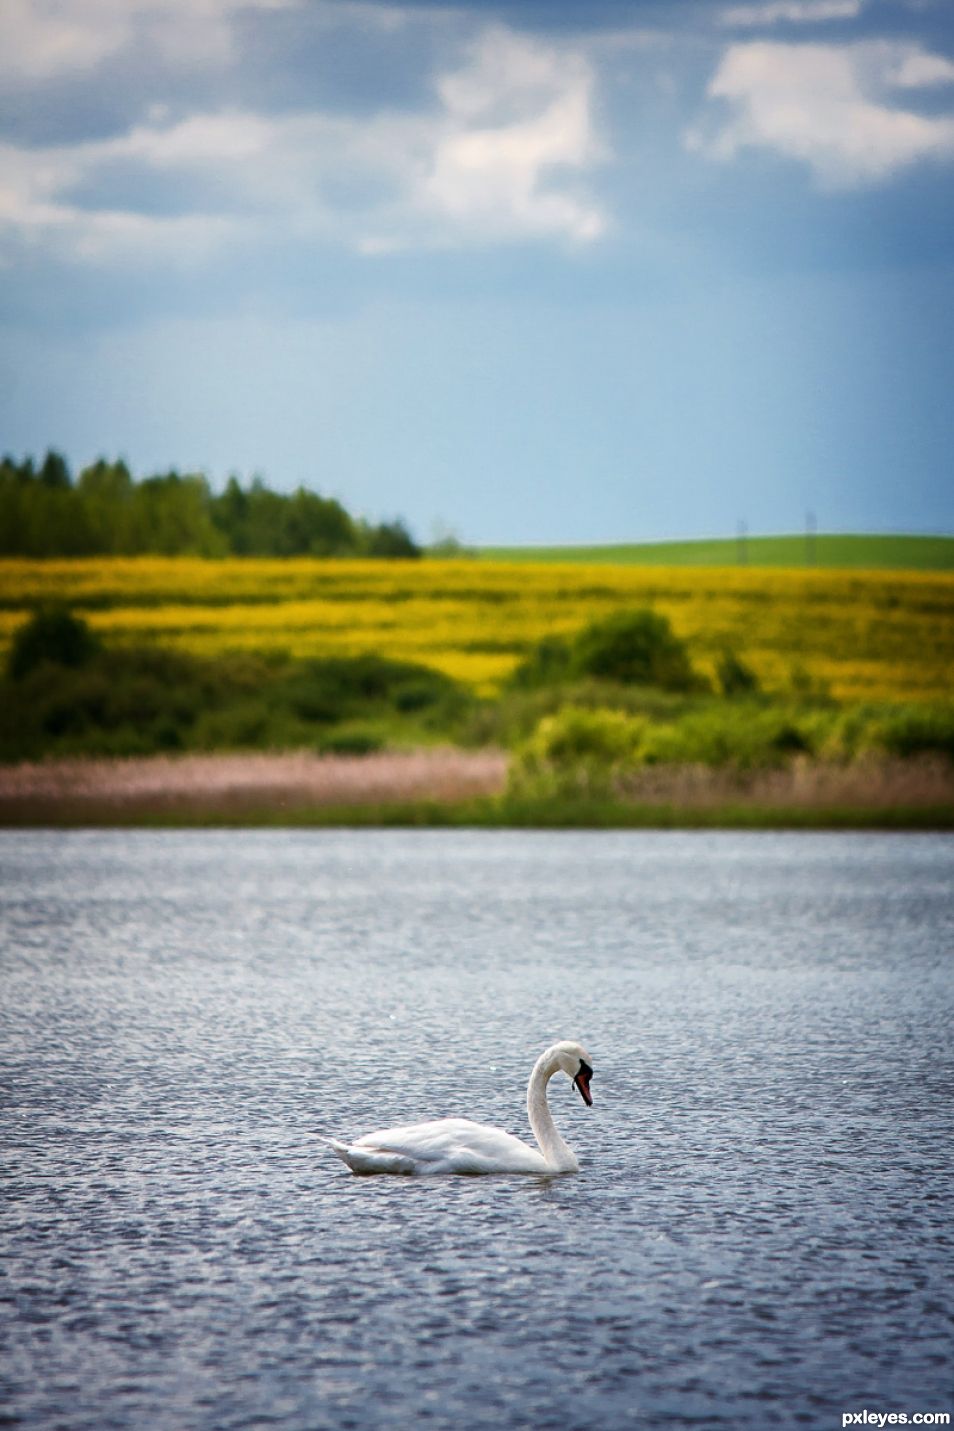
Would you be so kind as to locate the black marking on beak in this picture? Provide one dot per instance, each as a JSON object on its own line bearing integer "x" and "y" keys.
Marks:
{"x": 582, "y": 1081}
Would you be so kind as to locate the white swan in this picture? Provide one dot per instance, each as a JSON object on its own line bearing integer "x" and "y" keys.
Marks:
{"x": 456, "y": 1145}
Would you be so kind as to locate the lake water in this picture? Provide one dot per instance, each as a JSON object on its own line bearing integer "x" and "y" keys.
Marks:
{"x": 761, "y": 1231}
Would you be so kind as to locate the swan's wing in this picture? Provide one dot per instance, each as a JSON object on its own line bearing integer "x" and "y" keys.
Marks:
{"x": 371, "y": 1160}
{"x": 455, "y": 1145}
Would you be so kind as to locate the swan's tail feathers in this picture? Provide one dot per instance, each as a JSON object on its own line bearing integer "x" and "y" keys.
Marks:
{"x": 342, "y": 1149}
{"x": 369, "y": 1160}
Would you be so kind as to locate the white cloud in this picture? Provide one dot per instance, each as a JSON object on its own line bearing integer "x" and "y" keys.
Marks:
{"x": 496, "y": 159}
{"x": 33, "y": 211}
{"x": 834, "y": 108}
{"x": 792, "y": 12}
{"x": 41, "y": 39}
{"x": 916, "y": 69}
{"x": 37, "y": 41}
{"x": 517, "y": 118}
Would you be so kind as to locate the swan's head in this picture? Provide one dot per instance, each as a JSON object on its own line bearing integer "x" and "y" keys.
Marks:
{"x": 576, "y": 1063}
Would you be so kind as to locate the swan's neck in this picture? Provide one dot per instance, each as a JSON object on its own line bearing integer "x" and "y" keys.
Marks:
{"x": 560, "y": 1158}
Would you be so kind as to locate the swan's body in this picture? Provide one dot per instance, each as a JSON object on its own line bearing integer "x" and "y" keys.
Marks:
{"x": 457, "y": 1145}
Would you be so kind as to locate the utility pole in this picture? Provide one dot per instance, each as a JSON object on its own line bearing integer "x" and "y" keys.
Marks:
{"x": 811, "y": 531}
{"x": 741, "y": 544}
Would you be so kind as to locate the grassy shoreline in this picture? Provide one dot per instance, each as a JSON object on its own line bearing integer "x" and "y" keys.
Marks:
{"x": 487, "y": 815}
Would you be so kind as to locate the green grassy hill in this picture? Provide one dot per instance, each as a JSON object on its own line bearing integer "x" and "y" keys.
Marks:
{"x": 884, "y": 553}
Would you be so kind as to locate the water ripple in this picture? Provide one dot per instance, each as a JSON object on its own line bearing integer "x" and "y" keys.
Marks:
{"x": 761, "y": 1233}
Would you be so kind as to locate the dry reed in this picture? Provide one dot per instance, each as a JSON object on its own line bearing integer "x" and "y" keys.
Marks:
{"x": 265, "y": 780}
{"x": 875, "y": 783}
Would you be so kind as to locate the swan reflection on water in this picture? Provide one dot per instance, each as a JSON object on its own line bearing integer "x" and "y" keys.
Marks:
{"x": 458, "y": 1145}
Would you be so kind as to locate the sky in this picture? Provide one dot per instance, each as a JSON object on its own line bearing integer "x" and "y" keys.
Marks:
{"x": 535, "y": 271}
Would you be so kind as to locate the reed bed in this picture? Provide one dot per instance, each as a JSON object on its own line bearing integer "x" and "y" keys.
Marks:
{"x": 871, "y": 784}
{"x": 277, "y": 780}
{"x": 440, "y": 787}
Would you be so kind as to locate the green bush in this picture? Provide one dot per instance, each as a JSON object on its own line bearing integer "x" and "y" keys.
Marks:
{"x": 96, "y": 708}
{"x": 576, "y": 751}
{"x": 333, "y": 688}
{"x": 735, "y": 677}
{"x": 805, "y": 687}
{"x": 583, "y": 752}
{"x": 917, "y": 731}
{"x": 511, "y": 719}
{"x": 549, "y": 663}
{"x": 136, "y": 700}
{"x": 574, "y": 735}
{"x": 350, "y": 742}
{"x": 245, "y": 723}
{"x": 53, "y": 636}
{"x": 636, "y": 648}
{"x": 629, "y": 648}
{"x": 747, "y": 738}
{"x": 901, "y": 731}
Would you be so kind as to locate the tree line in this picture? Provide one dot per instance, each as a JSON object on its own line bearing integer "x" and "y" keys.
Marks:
{"x": 105, "y": 510}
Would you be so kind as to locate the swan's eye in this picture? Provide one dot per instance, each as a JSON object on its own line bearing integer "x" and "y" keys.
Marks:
{"x": 585, "y": 1069}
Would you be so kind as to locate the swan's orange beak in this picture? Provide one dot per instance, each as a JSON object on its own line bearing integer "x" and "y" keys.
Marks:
{"x": 582, "y": 1081}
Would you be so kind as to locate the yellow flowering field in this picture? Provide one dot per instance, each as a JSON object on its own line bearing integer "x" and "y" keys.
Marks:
{"x": 878, "y": 635}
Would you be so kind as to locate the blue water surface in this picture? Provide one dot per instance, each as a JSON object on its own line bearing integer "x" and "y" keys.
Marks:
{"x": 761, "y": 1232}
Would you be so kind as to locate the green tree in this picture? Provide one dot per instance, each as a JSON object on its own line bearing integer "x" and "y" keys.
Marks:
{"x": 264, "y": 521}
{"x": 11, "y": 493}
{"x": 16, "y": 471}
{"x": 316, "y": 526}
{"x": 43, "y": 514}
{"x": 389, "y": 539}
{"x": 106, "y": 490}
{"x": 106, "y": 481}
{"x": 54, "y": 471}
{"x": 229, "y": 513}
{"x": 170, "y": 514}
